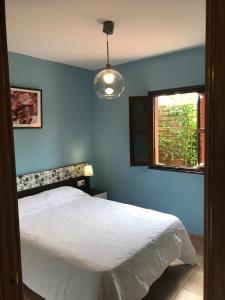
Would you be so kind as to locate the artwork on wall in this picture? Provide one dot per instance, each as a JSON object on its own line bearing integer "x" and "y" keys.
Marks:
{"x": 26, "y": 107}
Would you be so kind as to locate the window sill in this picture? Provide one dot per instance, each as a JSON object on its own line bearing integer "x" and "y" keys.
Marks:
{"x": 199, "y": 171}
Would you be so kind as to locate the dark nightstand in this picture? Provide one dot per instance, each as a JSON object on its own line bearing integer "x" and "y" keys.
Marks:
{"x": 97, "y": 193}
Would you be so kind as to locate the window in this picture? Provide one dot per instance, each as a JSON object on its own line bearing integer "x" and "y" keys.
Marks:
{"x": 167, "y": 129}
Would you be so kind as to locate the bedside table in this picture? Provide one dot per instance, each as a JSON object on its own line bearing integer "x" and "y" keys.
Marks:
{"x": 98, "y": 193}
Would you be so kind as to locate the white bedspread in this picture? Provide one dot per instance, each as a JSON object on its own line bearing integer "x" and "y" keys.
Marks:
{"x": 75, "y": 247}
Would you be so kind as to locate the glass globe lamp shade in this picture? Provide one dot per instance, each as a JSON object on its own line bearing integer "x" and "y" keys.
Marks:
{"x": 108, "y": 84}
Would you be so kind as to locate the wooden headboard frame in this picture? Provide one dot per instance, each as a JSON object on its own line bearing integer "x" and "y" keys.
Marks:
{"x": 34, "y": 183}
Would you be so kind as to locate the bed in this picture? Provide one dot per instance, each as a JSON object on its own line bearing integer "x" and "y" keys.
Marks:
{"x": 76, "y": 247}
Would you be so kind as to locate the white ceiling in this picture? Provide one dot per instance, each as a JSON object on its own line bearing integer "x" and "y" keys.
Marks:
{"x": 70, "y": 31}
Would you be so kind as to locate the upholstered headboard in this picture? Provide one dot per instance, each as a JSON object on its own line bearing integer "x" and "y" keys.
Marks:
{"x": 33, "y": 183}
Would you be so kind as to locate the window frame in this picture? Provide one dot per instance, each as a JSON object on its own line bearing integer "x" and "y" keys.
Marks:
{"x": 151, "y": 95}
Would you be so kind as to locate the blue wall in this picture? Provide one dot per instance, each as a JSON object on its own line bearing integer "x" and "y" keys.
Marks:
{"x": 72, "y": 116}
{"x": 67, "y": 99}
{"x": 177, "y": 193}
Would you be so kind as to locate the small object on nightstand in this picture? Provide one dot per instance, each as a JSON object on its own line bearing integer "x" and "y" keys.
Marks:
{"x": 98, "y": 193}
{"x": 80, "y": 182}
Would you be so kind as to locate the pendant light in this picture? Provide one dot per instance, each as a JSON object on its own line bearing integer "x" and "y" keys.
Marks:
{"x": 108, "y": 83}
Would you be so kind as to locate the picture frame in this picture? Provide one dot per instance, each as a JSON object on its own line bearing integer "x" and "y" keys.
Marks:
{"x": 26, "y": 107}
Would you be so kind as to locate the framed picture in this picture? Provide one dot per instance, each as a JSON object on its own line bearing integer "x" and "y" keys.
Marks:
{"x": 26, "y": 107}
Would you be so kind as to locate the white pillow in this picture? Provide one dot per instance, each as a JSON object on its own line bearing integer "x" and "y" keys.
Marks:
{"x": 48, "y": 199}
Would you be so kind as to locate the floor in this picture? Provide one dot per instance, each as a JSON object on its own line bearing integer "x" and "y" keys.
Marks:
{"x": 178, "y": 282}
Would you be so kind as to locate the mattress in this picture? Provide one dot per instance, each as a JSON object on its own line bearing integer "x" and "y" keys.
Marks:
{"x": 78, "y": 247}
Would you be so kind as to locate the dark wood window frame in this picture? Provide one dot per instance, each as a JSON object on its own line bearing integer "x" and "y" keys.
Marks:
{"x": 149, "y": 130}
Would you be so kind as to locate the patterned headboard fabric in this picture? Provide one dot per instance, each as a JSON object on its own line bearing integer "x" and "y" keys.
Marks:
{"x": 33, "y": 180}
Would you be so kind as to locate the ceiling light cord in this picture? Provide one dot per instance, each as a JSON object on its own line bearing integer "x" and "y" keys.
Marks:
{"x": 108, "y": 66}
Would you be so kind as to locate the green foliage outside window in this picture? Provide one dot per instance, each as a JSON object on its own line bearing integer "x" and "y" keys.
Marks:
{"x": 178, "y": 135}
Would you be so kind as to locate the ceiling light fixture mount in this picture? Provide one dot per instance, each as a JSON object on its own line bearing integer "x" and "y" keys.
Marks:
{"x": 108, "y": 83}
{"x": 108, "y": 27}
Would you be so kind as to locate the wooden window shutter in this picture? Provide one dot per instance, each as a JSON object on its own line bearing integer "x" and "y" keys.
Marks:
{"x": 139, "y": 116}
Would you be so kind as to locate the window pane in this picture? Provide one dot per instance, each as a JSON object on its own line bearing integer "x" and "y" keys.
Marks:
{"x": 176, "y": 130}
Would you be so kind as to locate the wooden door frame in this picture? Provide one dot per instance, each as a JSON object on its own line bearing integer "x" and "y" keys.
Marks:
{"x": 214, "y": 287}
{"x": 10, "y": 273}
